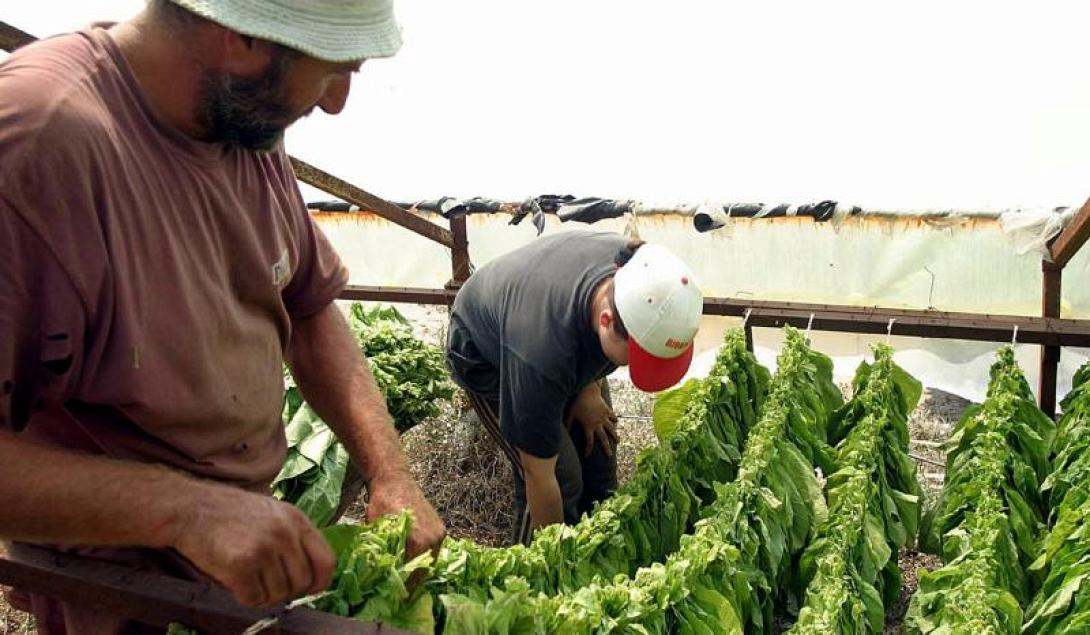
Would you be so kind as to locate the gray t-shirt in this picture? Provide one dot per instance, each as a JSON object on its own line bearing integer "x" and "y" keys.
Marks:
{"x": 521, "y": 333}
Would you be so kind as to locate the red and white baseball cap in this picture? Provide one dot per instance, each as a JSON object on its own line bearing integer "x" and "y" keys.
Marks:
{"x": 660, "y": 304}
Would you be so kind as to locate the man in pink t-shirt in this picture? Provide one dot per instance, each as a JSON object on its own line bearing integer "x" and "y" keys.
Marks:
{"x": 158, "y": 268}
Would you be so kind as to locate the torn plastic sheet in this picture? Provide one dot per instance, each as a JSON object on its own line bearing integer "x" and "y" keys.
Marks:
{"x": 1031, "y": 230}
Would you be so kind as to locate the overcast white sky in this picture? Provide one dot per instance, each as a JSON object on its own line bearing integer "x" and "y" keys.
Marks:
{"x": 942, "y": 103}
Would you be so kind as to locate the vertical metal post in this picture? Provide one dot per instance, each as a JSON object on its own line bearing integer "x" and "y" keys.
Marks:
{"x": 1052, "y": 286}
{"x": 459, "y": 253}
{"x": 749, "y": 337}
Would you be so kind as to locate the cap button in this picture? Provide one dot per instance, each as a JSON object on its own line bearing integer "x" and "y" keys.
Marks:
{"x": 684, "y": 280}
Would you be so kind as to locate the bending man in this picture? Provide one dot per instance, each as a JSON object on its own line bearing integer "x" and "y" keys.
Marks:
{"x": 534, "y": 333}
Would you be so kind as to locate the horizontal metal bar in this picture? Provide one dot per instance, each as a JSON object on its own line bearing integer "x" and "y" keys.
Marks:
{"x": 407, "y": 295}
{"x": 907, "y": 322}
{"x": 12, "y": 38}
{"x": 156, "y": 599}
{"x": 831, "y": 317}
{"x": 342, "y": 189}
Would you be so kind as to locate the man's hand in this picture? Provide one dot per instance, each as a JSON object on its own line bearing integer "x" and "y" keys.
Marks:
{"x": 264, "y": 551}
{"x": 599, "y": 422}
{"x": 390, "y": 493}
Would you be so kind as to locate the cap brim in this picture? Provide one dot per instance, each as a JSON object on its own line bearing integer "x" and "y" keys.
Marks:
{"x": 651, "y": 373}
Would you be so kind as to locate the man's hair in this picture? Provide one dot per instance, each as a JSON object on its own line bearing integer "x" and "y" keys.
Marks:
{"x": 623, "y": 256}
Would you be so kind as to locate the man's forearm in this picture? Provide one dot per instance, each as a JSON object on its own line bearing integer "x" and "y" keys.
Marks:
{"x": 54, "y": 496}
{"x": 545, "y": 503}
{"x": 334, "y": 378}
{"x": 543, "y": 497}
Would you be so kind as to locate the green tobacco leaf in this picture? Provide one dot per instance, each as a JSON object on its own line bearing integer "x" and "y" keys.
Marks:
{"x": 873, "y": 507}
{"x": 909, "y": 388}
{"x": 988, "y": 521}
{"x": 669, "y": 408}
{"x": 322, "y": 497}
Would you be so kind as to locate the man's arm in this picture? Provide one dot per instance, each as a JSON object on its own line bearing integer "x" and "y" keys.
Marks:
{"x": 543, "y": 496}
{"x": 262, "y": 550}
{"x": 335, "y": 380}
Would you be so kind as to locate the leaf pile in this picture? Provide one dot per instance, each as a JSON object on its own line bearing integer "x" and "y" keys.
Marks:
{"x": 370, "y": 582}
{"x": 874, "y": 506}
{"x": 412, "y": 378}
{"x": 410, "y": 373}
{"x": 1063, "y": 603}
{"x": 724, "y": 576}
{"x": 989, "y": 516}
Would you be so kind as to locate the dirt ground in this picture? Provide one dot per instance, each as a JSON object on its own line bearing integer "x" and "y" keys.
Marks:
{"x": 466, "y": 478}
{"x": 13, "y": 622}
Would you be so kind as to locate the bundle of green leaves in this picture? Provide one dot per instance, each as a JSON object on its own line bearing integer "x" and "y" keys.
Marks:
{"x": 769, "y": 511}
{"x": 725, "y": 575}
{"x": 644, "y": 521}
{"x": 989, "y": 517}
{"x": 410, "y": 373}
{"x": 413, "y": 380}
{"x": 372, "y": 580}
{"x": 850, "y": 567}
{"x": 1063, "y": 603}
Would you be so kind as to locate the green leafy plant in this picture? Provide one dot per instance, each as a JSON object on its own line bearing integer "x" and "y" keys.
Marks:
{"x": 315, "y": 466}
{"x": 874, "y": 506}
{"x": 413, "y": 380}
{"x": 410, "y": 373}
{"x": 1063, "y": 603}
{"x": 372, "y": 580}
{"x": 988, "y": 519}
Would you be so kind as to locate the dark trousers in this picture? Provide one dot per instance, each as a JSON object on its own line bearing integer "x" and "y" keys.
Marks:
{"x": 584, "y": 480}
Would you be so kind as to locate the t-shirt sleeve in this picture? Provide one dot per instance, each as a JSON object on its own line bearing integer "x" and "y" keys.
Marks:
{"x": 320, "y": 276}
{"x": 531, "y": 407}
{"x": 42, "y": 321}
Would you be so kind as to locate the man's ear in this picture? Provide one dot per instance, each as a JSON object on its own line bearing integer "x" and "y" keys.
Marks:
{"x": 605, "y": 319}
{"x": 241, "y": 54}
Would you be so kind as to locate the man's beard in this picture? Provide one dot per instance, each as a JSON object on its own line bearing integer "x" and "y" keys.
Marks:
{"x": 247, "y": 112}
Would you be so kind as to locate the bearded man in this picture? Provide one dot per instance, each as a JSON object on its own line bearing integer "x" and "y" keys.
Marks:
{"x": 159, "y": 267}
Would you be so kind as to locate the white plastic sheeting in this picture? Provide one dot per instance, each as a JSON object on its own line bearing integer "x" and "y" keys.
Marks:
{"x": 966, "y": 264}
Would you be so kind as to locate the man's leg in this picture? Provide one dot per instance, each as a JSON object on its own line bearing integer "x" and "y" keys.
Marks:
{"x": 568, "y": 471}
{"x": 486, "y": 411}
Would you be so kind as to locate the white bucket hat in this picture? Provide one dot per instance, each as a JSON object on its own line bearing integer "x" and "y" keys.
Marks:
{"x": 660, "y": 305}
{"x": 331, "y": 30}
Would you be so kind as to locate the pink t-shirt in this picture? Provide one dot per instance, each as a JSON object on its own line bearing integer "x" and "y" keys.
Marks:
{"x": 148, "y": 281}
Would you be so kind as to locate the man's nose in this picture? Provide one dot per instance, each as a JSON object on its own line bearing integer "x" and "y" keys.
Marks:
{"x": 336, "y": 95}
